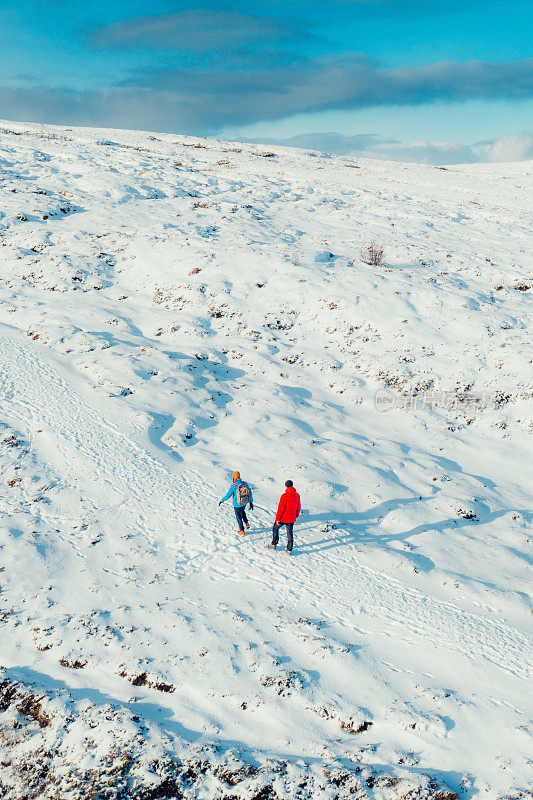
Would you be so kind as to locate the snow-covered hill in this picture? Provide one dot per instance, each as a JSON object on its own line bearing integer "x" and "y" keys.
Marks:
{"x": 172, "y": 309}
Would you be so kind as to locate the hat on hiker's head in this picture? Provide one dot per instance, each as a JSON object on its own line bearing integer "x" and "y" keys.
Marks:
{"x": 289, "y": 483}
{"x": 236, "y": 476}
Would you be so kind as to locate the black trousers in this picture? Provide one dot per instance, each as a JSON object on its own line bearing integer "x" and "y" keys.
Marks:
{"x": 275, "y": 534}
{"x": 242, "y": 519}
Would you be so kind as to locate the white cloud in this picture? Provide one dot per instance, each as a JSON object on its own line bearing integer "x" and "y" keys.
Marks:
{"x": 424, "y": 152}
{"x": 515, "y": 147}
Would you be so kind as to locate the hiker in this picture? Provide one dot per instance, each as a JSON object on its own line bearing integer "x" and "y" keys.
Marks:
{"x": 289, "y": 508}
{"x": 242, "y": 495}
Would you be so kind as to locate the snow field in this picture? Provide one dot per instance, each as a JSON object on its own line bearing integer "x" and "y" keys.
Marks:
{"x": 172, "y": 309}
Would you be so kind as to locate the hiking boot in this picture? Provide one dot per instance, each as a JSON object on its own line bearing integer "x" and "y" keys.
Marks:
{"x": 241, "y": 533}
{"x": 288, "y": 552}
{"x": 271, "y": 546}
{"x": 247, "y": 526}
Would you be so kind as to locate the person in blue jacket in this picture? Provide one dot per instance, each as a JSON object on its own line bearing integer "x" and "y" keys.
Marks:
{"x": 242, "y": 495}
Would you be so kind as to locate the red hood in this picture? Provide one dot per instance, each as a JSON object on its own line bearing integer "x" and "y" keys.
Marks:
{"x": 290, "y": 490}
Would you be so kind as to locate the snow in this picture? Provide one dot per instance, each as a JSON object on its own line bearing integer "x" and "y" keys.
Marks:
{"x": 172, "y": 309}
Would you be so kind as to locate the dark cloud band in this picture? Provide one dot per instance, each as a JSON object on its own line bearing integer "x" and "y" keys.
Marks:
{"x": 198, "y": 30}
{"x": 222, "y": 97}
{"x": 206, "y": 101}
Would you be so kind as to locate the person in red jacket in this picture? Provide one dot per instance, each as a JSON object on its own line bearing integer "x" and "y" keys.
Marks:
{"x": 289, "y": 508}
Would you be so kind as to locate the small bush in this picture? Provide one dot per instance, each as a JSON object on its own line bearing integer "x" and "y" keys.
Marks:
{"x": 372, "y": 254}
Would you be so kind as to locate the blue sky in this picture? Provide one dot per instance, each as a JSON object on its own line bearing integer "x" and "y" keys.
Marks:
{"x": 396, "y": 70}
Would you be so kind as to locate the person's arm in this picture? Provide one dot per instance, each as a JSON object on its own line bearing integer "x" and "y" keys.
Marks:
{"x": 251, "y": 501}
{"x": 228, "y": 494}
{"x": 281, "y": 507}
{"x": 250, "y": 497}
{"x": 298, "y": 507}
